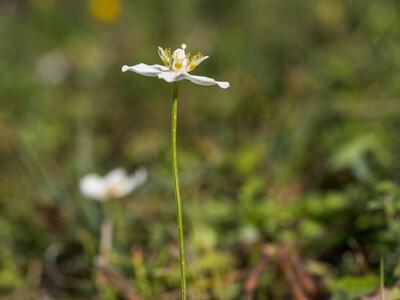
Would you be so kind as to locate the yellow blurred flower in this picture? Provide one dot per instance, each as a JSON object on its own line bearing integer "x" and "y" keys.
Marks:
{"x": 42, "y": 5}
{"x": 105, "y": 10}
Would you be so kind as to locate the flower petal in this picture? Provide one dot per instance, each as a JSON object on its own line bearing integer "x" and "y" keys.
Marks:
{"x": 170, "y": 76}
{"x": 93, "y": 186}
{"x": 195, "y": 61}
{"x": 138, "y": 178}
{"x": 146, "y": 70}
{"x": 202, "y": 80}
{"x": 165, "y": 55}
{"x": 132, "y": 182}
{"x": 115, "y": 177}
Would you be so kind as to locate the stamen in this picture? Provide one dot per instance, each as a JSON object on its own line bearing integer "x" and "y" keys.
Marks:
{"x": 195, "y": 60}
{"x": 183, "y": 46}
{"x": 165, "y": 55}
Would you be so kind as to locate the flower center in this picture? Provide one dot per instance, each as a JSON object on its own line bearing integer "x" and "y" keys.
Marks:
{"x": 180, "y": 59}
{"x": 112, "y": 190}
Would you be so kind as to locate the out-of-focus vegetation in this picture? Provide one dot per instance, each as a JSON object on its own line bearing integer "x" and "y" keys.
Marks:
{"x": 290, "y": 178}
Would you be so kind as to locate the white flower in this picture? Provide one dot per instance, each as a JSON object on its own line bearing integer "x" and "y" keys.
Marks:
{"x": 53, "y": 68}
{"x": 177, "y": 66}
{"x": 116, "y": 184}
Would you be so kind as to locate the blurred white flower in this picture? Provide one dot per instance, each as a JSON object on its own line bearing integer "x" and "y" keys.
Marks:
{"x": 52, "y": 68}
{"x": 177, "y": 66}
{"x": 116, "y": 184}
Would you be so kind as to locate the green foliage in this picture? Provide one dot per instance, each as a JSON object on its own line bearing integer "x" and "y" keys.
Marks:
{"x": 353, "y": 287}
{"x": 301, "y": 152}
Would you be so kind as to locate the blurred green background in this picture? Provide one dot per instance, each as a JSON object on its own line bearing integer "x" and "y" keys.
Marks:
{"x": 290, "y": 178}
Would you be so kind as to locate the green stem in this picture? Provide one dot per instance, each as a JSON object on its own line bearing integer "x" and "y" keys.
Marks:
{"x": 382, "y": 278}
{"x": 106, "y": 230}
{"x": 179, "y": 214}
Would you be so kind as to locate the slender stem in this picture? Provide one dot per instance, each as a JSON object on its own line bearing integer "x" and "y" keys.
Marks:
{"x": 382, "y": 278}
{"x": 179, "y": 215}
{"x": 106, "y": 238}
{"x": 106, "y": 230}
{"x": 105, "y": 245}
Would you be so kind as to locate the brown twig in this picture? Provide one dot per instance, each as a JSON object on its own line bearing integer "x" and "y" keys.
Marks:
{"x": 253, "y": 279}
{"x": 306, "y": 281}
{"x": 284, "y": 259}
{"x": 120, "y": 284}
